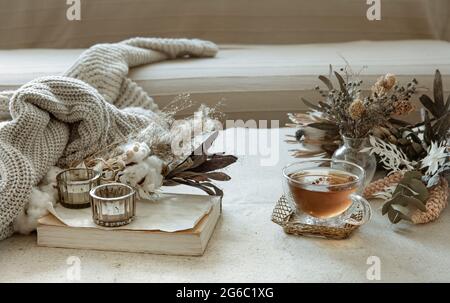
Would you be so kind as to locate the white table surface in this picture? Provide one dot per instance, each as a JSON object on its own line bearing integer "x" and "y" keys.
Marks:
{"x": 247, "y": 247}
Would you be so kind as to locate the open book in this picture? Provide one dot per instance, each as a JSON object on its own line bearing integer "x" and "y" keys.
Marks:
{"x": 61, "y": 230}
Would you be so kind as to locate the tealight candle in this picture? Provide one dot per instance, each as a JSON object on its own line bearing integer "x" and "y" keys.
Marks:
{"x": 113, "y": 204}
{"x": 74, "y": 186}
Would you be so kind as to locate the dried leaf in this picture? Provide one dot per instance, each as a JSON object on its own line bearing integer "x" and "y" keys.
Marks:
{"x": 198, "y": 178}
{"x": 341, "y": 83}
{"x": 170, "y": 182}
{"x": 324, "y": 126}
{"x": 218, "y": 191}
{"x": 198, "y": 160}
{"x": 438, "y": 93}
{"x": 324, "y": 105}
{"x": 391, "y": 157}
{"x": 441, "y": 127}
{"x": 215, "y": 162}
{"x": 429, "y": 104}
{"x": 219, "y": 176}
{"x": 428, "y": 133}
{"x": 311, "y": 105}
{"x": 197, "y": 185}
{"x": 399, "y": 122}
{"x": 447, "y": 104}
{"x": 326, "y": 81}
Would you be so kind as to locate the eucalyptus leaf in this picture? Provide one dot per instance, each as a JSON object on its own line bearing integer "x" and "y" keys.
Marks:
{"x": 410, "y": 201}
{"x": 386, "y": 207}
{"x": 418, "y": 186}
{"x": 409, "y": 175}
{"x": 394, "y": 216}
{"x": 401, "y": 214}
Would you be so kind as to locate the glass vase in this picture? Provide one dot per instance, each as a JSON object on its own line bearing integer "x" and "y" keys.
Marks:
{"x": 351, "y": 150}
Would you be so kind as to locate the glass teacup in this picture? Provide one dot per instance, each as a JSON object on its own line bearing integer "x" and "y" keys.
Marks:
{"x": 325, "y": 191}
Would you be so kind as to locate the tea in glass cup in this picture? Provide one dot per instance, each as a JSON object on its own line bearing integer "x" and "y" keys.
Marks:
{"x": 323, "y": 190}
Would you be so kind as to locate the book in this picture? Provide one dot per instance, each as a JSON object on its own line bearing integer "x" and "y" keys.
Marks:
{"x": 52, "y": 232}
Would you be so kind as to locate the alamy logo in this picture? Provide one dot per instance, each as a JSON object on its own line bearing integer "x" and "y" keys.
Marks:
{"x": 74, "y": 10}
{"x": 374, "y": 10}
{"x": 374, "y": 270}
{"x": 73, "y": 272}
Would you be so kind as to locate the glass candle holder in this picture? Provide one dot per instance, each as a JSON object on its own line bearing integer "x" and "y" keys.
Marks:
{"x": 113, "y": 204}
{"x": 74, "y": 186}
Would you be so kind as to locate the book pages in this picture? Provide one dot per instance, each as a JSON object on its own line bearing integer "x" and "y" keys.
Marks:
{"x": 168, "y": 213}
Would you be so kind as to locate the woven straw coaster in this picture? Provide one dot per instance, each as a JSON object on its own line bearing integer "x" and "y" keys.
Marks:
{"x": 284, "y": 216}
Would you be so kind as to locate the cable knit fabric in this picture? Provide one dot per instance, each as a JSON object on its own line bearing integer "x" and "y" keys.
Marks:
{"x": 62, "y": 119}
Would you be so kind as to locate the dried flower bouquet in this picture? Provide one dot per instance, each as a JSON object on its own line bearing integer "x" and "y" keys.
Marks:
{"x": 416, "y": 189}
{"x": 168, "y": 152}
{"x": 345, "y": 110}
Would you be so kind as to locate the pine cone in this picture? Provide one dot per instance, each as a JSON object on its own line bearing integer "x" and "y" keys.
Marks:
{"x": 381, "y": 184}
{"x": 436, "y": 203}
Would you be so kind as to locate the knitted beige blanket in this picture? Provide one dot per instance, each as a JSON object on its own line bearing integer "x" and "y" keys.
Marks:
{"x": 61, "y": 119}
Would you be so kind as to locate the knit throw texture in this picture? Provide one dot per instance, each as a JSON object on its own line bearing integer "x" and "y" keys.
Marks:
{"x": 62, "y": 119}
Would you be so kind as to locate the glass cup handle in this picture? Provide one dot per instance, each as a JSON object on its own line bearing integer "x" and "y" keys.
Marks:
{"x": 364, "y": 205}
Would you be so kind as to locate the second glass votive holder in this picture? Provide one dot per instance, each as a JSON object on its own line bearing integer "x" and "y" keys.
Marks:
{"x": 113, "y": 204}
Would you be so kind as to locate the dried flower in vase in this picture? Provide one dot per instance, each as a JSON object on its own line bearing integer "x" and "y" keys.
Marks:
{"x": 357, "y": 115}
{"x": 345, "y": 110}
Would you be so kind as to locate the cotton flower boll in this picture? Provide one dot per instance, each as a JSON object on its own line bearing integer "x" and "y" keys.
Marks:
{"x": 27, "y": 220}
{"x": 48, "y": 183}
{"x": 50, "y": 177}
{"x": 145, "y": 175}
{"x": 136, "y": 152}
{"x": 133, "y": 174}
{"x": 51, "y": 190}
{"x": 153, "y": 179}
